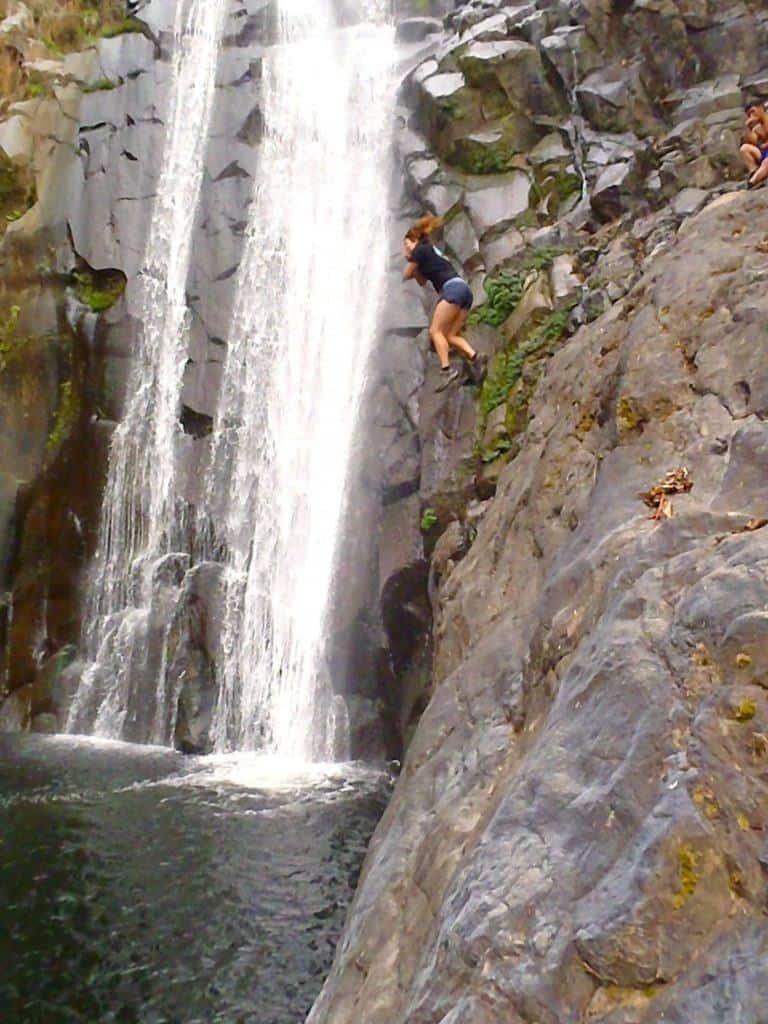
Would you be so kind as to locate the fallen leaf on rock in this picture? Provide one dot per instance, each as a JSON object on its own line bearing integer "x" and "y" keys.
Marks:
{"x": 664, "y": 510}
{"x": 755, "y": 524}
{"x": 677, "y": 481}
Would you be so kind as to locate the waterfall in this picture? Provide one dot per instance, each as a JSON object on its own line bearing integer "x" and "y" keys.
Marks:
{"x": 303, "y": 326}
{"x": 142, "y": 519}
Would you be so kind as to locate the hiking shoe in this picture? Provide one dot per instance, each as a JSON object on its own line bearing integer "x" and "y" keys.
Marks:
{"x": 447, "y": 377}
{"x": 478, "y": 368}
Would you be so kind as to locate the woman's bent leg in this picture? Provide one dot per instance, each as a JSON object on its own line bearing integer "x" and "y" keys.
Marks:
{"x": 455, "y": 340}
{"x": 442, "y": 320}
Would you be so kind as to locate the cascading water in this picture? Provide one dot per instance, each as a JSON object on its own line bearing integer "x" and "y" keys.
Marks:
{"x": 304, "y": 323}
{"x": 142, "y": 520}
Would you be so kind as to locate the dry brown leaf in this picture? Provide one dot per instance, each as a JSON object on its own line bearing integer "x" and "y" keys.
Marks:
{"x": 677, "y": 481}
{"x": 665, "y": 510}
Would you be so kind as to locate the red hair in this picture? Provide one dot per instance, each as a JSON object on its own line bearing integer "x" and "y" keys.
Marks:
{"x": 424, "y": 227}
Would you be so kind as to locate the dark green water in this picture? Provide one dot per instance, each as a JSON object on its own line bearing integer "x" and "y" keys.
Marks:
{"x": 140, "y": 886}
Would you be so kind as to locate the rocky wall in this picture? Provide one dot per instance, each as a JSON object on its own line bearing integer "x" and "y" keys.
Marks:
{"x": 570, "y": 557}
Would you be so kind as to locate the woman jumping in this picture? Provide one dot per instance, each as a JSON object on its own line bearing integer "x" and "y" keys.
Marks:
{"x": 427, "y": 263}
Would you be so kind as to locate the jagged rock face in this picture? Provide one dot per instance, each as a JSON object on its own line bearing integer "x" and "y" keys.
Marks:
{"x": 578, "y": 833}
{"x": 539, "y": 128}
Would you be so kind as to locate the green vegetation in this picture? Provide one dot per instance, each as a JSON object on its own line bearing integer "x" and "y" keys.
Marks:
{"x": 11, "y": 342}
{"x": 491, "y": 452}
{"x": 477, "y": 159}
{"x": 102, "y": 85}
{"x": 428, "y": 520}
{"x": 506, "y": 289}
{"x": 99, "y": 290}
{"x": 562, "y": 185}
{"x": 73, "y": 25}
{"x": 687, "y": 864}
{"x": 17, "y": 190}
{"x": 67, "y": 412}
{"x": 509, "y": 363}
{"x": 124, "y": 27}
{"x": 745, "y": 710}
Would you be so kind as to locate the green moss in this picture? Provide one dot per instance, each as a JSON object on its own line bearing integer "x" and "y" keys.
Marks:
{"x": 10, "y": 182}
{"x": 35, "y": 90}
{"x": 506, "y": 289}
{"x": 688, "y": 876}
{"x": 102, "y": 85}
{"x": 567, "y": 185}
{"x": 448, "y": 106}
{"x": 745, "y": 711}
{"x": 11, "y": 341}
{"x": 67, "y": 412}
{"x": 477, "y": 159}
{"x": 628, "y": 415}
{"x": 125, "y": 27}
{"x": 428, "y": 520}
{"x": 491, "y": 452}
{"x": 99, "y": 290}
{"x": 506, "y": 374}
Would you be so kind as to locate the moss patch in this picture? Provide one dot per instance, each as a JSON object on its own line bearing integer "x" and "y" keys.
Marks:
{"x": 745, "y": 710}
{"x": 124, "y": 27}
{"x": 102, "y": 85}
{"x": 428, "y": 520}
{"x": 98, "y": 289}
{"x": 17, "y": 190}
{"x": 508, "y": 366}
{"x": 475, "y": 158}
{"x": 628, "y": 414}
{"x": 12, "y": 343}
{"x": 506, "y": 289}
{"x": 67, "y": 413}
{"x": 688, "y": 875}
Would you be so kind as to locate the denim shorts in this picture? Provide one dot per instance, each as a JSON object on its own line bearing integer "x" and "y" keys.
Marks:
{"x": 458, "y": 293}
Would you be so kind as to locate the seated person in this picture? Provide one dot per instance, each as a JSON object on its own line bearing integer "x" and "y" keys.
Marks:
{"x": 754, "y": 148}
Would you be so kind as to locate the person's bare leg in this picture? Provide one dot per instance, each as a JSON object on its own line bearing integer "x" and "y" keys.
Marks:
{"x": 751, "y": 156}
{"x": 442, "y": 319}
{"x": 455, "y": 340}
{"x": 760, "y": 174}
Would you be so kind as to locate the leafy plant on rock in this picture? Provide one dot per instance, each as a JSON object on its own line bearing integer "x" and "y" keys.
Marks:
{"x": 428, "y": 520}
{"x": 506, "y": 289}
{"x": 67, "y": 412}
{"x": 10, "y": 340}
{"x": 99, "y": 290}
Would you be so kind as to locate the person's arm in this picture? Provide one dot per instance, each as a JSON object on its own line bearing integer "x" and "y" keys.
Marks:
{"x": 411, "y": 271}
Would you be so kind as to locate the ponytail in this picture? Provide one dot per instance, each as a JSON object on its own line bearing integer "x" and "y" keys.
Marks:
{"x": 424, "y": 227}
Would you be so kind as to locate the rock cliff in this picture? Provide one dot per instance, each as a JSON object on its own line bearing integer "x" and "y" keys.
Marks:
{"x": 572, "y": 577}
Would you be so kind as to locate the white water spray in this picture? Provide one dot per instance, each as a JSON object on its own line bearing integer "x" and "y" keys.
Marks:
{"x": 303, "y": 327}
{"x": 141, "y": 518}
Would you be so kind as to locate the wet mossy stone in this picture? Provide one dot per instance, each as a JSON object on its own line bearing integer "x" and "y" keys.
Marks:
{"x": 98, "y": 289}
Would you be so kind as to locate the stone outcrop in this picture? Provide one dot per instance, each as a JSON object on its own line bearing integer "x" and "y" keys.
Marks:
{"x": 578, "y": 832}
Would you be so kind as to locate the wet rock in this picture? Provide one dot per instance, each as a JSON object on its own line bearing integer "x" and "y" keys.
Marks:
{"x": 514, "y": 67}
{"x": 612, "y": 194}
{"x": 497, "y": 206}
{"x": 615, "y": 883}
{"x": 707, "y": 98}
{"x": 414, "y": 30}
{"x": 688, "y": 201}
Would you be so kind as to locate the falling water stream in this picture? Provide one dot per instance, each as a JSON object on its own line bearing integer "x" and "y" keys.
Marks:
{"x": 142, "y": 519}
{"x": 304, "y": 320}
{"x": 303, "y": 326}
